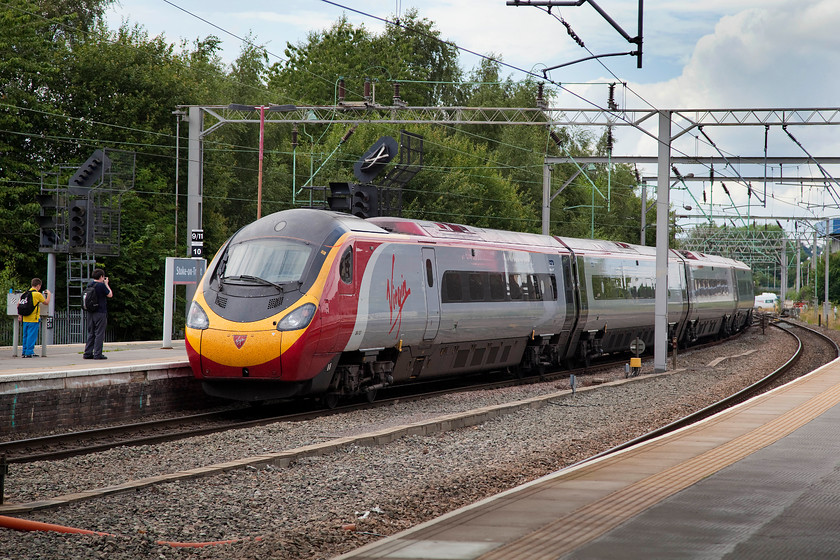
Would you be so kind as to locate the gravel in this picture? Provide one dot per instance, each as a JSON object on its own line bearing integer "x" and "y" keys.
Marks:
{"x": 322, "y": 506}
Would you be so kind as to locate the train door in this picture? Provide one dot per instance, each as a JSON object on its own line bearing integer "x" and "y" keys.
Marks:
{"x": 568, "y": 295}
{"x": 432, "y": 293}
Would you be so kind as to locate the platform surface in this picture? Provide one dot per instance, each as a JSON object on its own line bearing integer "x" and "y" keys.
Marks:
{"x": 761, "y": 480}
{"x": 68, "y": 357}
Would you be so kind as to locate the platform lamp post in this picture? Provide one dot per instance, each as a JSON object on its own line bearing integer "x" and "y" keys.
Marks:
{"x": 262, "y": 109}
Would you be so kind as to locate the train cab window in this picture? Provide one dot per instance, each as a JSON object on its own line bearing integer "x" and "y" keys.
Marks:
{"x": 345, "y": 267}
{"x": 272, "y": 260}
{"x": 430, "y": 275}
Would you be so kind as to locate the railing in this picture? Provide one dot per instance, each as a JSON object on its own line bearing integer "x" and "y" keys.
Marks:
{"x": 68, "y": 328}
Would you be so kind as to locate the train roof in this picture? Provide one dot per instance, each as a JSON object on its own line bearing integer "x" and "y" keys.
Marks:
{"x": 303, "y": 222}
{"x": 706, "y": 259}
{"x": 596, "y": 246}
{"x": 313, "y": 218}
{"x": 446, "y": 230}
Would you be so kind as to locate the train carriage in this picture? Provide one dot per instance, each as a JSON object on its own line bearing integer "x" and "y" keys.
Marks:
{"x": 310, "y": 302}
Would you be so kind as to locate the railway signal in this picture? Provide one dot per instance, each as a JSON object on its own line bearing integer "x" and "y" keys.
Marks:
{"x": 78, "y": 225}
{"x": 92, "y": 171}
{"x": 353, "y": 198}
{"x": 365, "y": 200}
{"x": 48, "y": 220}
{"x": 339, "y": 199}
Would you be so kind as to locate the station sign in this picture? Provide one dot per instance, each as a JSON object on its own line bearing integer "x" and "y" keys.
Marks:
{"x": 188, "y": 271}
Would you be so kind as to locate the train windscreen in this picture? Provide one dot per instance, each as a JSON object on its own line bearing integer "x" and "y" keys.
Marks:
{"x": 273, "y": 260}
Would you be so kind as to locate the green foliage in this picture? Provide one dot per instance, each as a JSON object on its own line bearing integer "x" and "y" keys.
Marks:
{"x": 407, "y": 53}
{"x": 69, "y": 85}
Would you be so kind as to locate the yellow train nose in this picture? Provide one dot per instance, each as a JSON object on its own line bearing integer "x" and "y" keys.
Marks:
{"x": 240, "y": 354}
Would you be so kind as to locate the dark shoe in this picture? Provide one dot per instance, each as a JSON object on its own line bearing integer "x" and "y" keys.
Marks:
{"x": 32, "y": 356}
{"x": 26, "y": 356}
{"x": 100, "y": 357}
{"x": 86, "y": 357}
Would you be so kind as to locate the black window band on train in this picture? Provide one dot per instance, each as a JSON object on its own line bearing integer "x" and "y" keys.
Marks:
{"x": 612, "y": 286}
{"x": 469, "y": 286}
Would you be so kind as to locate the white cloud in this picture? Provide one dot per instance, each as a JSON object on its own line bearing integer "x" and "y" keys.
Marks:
{"x": 782, "y": 55}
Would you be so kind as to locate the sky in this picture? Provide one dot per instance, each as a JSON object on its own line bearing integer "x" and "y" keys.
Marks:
{"x": 710, "y": 54}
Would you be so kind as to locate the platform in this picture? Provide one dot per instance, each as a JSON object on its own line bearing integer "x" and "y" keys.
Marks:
{"x": 761, "y": 480}
{"x": 63, "y": 390}
{"x": 68, "y": 357}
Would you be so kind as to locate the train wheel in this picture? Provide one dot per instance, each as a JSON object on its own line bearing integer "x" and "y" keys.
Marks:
{"x": 330, "y": 400}
{"x": 370, "y": 395}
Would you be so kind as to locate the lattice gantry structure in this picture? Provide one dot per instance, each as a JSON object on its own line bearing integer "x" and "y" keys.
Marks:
{"x": 754, "y": 246}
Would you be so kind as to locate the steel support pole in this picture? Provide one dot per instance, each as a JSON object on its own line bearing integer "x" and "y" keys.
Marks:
{"x": 644, "y": 214}
{"x": 260, "y": 177}
{"x": 798, "y": 284}
{"x": 546, "y": 205}
{"x": 784, "y": 274}
{"x": 660, "y": 328}
{"x": 194, "y": 184}
{"x": 51, "y": 264}
{"x": 827, "y": 253}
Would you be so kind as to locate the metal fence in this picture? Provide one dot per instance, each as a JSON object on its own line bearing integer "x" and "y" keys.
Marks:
{"x": 68, "y": 328}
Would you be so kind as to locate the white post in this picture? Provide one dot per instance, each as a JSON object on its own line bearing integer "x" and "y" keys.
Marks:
{"x": 168, "y": 298}
{"x": 660, "y": 326}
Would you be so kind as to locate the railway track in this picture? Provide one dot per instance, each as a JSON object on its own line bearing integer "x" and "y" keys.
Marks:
{"x": 59, "y": 446}
{"x": 370, "y": 434}
{"x": 820, "y": 351}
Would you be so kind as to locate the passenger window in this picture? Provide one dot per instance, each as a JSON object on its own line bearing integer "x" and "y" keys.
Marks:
{"x": 345, "y": 267}
{"x": 476, "y": 282}
{"x": 430, "y": 276}
{"x": 452, "y": 286}
{"x": 497, "y": 287}
{"x": 513, "y": 285}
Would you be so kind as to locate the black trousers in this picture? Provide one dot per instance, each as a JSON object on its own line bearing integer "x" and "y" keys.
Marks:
{"x": 96, "y": 323}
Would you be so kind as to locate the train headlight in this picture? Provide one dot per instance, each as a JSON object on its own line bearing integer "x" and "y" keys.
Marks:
{"x": 197, "y": 319}
{"x": 297, "y": 319}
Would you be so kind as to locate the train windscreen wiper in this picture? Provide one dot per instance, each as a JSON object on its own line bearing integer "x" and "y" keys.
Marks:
{"x": 257, "y": 279}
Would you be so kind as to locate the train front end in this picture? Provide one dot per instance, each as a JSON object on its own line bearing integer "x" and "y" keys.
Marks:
{"x": 252, "y": 329}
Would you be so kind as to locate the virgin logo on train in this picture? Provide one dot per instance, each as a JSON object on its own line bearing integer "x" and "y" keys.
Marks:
{"x": 239, "y": 339}
{"x": 396, "y": 298}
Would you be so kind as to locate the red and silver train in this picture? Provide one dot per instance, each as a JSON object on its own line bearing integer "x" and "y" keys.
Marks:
{"x": 317, "y": 303}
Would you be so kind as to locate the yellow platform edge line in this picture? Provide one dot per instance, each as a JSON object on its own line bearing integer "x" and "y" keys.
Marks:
{"x": 599, "y": 517}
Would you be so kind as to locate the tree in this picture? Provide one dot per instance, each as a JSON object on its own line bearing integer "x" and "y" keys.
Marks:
{"x": 30, "y": 70}
{"x": 411, "y": 51}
